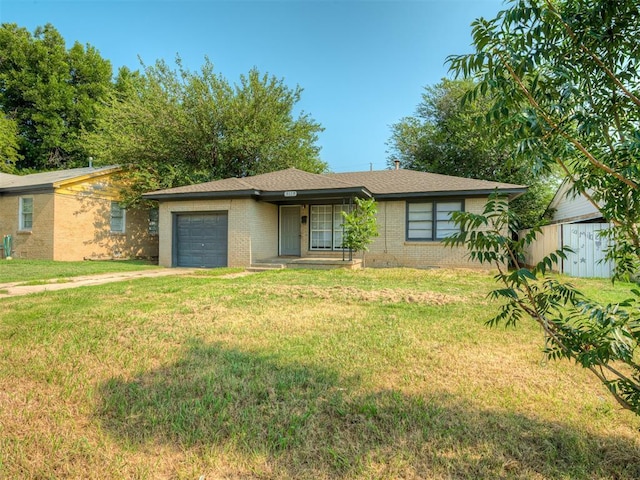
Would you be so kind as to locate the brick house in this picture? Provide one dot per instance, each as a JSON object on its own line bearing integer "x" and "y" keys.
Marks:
{"x": 292, "y": 214}
{"x": 73, "y": 215}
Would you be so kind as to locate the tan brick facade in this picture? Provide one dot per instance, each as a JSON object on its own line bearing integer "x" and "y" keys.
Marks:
{"x": 391, "y": 249}
{"x": 252, "y": 228}
{"x": 253, "y": 234}
{"x": 83, "y": 231}
{"x": 37, "y": 242}
{"x": 74, "y": 224}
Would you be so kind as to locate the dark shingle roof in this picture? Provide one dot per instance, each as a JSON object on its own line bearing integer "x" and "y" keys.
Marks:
{"x": 381, "y": 183}
{"x": 280, "y": 181}
{"x": 389, "y": 182}
{"x": 47, "y": 179}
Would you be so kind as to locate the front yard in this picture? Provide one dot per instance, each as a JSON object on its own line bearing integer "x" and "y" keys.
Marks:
{"x": 297, "y": 374}
{"x": 18, "y": 270}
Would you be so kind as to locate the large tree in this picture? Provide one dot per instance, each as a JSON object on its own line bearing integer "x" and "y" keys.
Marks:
{"x": 51, "y": 92}
{"x": 171, "y": 127}
{"x": 8, "y": 144}
{"x": 449, "y": 137}
{"x": 563, "y": 81}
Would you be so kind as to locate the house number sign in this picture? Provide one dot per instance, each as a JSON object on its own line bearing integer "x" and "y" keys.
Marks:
{"x": 291, "y": 193}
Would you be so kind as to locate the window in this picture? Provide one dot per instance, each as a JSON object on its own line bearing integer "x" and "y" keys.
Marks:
{"x": 338, "y": 220}
{"x": 321, "y": 227}
{"x": 26, "y": 213}
{"x": 117, "y": 218}
{"x": 326, "y": 226}
{"x": 153, "y": 221}
{"x": 429, "y": 221}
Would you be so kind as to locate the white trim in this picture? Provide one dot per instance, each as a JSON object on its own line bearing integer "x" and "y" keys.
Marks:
{"x": 124, "y": 218}
{"x": 21, "y": 223}
{"x": 334, "y": 208}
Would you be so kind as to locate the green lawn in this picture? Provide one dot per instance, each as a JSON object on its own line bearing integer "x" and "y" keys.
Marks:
{"x": 297, "y": 374}
{"x": 18, "y": 270}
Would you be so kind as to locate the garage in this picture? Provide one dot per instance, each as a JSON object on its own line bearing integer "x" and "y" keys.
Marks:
{"x": 200, "y": 239}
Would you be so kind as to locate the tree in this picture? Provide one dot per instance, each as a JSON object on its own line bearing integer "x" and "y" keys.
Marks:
{"x": 8, "y": 144}
{"x": 51, "y": 93}
{"x": 361, "y": 226}
{"x": 445, "y": 136}
{"x": 563, "y": 81}
{"x": 175, "y": 127}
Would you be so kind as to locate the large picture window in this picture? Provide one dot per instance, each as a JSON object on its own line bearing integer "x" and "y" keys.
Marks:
{"x": 430, "y": 221}
{"x": 326, "y": 226}
{"x": 26, "y": 213}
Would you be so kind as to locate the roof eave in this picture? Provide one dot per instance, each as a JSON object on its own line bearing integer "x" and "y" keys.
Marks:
{"x": 321, "y": 193}
{"x": 202, "y": 195}
{"x": 40, "y": 188}
{"x": 267, "y": 196}
{"x": 87, "y": 176}
{"x": 510, "y": 192}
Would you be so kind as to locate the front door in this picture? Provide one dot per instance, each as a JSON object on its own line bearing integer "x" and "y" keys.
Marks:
{"x": 290, "y": 230}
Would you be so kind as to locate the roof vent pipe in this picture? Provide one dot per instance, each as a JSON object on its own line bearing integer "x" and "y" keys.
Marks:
{"x": 90, "y": 162}
{"x": 397, "y": 162}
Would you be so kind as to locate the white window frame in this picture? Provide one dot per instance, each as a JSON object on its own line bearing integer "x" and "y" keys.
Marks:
{"x": 22, "y": 224}
{"x": 434, "y": 217}
{"x": 331, "y": 227}
{"x": 115, "y": 206}
{"x": 320, "y": 230}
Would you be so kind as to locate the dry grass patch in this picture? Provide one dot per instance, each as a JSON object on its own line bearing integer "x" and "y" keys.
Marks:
{"x": 353, "y": 294}
{"x": 375, "y": 374}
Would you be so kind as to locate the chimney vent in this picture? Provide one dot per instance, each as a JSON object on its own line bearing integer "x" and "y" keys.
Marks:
{"x": 397, "y": 162}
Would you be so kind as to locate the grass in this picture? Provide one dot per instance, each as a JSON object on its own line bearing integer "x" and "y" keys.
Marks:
{"x": 296, "y": 374}
{"x": 19, "y": 270}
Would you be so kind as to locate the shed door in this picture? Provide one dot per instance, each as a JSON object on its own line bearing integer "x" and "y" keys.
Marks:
{"x": 201, "y": 240}
{"x": 587, "y": 259}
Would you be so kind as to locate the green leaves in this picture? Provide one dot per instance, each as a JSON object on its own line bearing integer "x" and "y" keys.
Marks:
{"x": 361, "y": 226}
{"x": 456, "y": 131}
{"x": 602, "y": 338}
{"x": 173, "y": 127}
{"x": 562, "y": 82}
{"x": 51, "y": 94}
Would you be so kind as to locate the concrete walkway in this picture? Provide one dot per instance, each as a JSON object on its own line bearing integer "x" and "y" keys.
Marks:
{"x": 19, "y": 288}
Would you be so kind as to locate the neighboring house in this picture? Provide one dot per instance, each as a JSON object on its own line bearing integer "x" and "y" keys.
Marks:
{"x": 291, "y": 213}
{"x": 577, "y": 224}
{"x": 571, "y": 207}
{"x": 73, "y": 215}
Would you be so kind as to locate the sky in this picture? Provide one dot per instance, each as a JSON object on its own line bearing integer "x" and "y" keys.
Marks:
{"x": 362, "y": 64}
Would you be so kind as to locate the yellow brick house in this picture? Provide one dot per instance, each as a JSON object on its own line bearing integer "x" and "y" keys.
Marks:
{"x": 295, "y": 216}
{"x": 73, "y": 214}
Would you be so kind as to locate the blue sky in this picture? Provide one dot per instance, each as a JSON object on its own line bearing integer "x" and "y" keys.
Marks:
{"x": 363, "y": 65}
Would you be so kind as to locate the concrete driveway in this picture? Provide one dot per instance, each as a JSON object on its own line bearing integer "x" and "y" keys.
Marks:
{"x": 19, "y": 288}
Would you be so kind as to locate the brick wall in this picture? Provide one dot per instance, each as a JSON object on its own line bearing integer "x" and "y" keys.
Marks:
{"x": 74, "y": 227}
{"x": 36, "y": 243}
{"x": 253, "y": 233}
{"x": 264, "y": 230}
{"x": 392, "y": 249}
{"x": 83, "y": 230}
